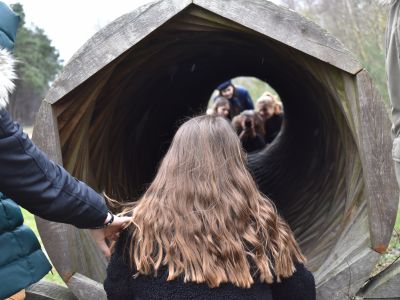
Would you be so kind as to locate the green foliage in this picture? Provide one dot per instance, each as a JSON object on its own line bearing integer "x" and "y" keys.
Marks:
{"x": 38, "y": 65}
{"x": 39, "y": 60}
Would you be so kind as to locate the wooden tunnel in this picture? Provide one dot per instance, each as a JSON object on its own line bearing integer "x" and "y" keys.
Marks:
{"x": 111, "y": 114}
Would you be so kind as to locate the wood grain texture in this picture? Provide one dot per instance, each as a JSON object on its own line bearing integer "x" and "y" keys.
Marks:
{"x": 70, "y": 250}
{"x": 46, "y": 290}
{"x": 45, "y": 133}
{"x": 107, "y": 44}
{"x": 287, "y": 27}
{"x": 345, "y": 283}
{"x": 54, "y": 235}
{"x": 375, "y": 148}
{"x": 84, "y": 288}
{"x": 385, "y": 285}
{"x": 117, "y": 116}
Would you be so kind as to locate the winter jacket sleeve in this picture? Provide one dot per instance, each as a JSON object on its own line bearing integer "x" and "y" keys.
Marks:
{"x": 249, "y": 101}
{"x": 39, "y": 185}
{"x": 244, "y": 96}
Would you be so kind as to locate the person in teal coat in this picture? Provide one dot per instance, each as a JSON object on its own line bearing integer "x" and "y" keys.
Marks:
{"x": 28, "y": 178}
{"x": 22, "y": 262}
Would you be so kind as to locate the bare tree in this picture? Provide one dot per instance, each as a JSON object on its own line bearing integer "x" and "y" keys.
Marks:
{"x": 360, "y": 26}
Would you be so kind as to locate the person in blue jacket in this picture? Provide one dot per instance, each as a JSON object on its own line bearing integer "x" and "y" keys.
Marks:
{"x": 28, "y": 178}
{"x": 239, "y": 98}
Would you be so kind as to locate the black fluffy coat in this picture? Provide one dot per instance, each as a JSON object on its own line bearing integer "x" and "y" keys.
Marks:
{"x": 121, "y": 284}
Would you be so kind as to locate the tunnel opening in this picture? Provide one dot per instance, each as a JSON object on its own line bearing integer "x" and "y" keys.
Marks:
{"x": 129, "y": 112}
{"x": 251, "y": 101}
{"x": 112, "y": 112}
{"x": 255, "y": 86}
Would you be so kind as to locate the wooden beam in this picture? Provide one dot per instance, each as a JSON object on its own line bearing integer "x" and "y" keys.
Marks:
{"x": 64, "y": 243}
{"x": 375, "y": 148}
{"x": 46, "y": 290}
{"x": 286, "y": 26}
{"x": 85, "y": 288}
{"x": 385, "y": 285}
{"x": 112, "y": 41}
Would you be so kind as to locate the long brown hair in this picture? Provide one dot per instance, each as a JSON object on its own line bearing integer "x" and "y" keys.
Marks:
{"x": 204, "y": 218}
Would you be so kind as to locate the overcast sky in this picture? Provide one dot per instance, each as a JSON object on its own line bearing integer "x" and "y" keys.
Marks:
{"x": 70, "y": 23}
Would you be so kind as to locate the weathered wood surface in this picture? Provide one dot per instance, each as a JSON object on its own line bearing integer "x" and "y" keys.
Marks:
{"x": 45, "y": 133}
{"x": 112, "y": 41}
{"x": 54, "y": 235}
{"x": 120, "y": 98}
{"x": 385, "y": 285}
{"x": 85, "y": 288}
{"x": 375, "y": 147}
{"x": 350, "y": 277}
{"x": 70, "y": 250}
{"x": 287, "y": 27}
{"x": 46, "y": 290}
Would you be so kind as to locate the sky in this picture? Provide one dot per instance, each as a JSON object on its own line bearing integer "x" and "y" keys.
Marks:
{"x": 69, "y": 24}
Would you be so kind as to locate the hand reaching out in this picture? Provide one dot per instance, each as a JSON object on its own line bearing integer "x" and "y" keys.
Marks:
{"x": 111, "y": 232}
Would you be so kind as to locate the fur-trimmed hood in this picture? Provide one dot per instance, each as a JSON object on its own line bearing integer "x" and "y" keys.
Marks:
{"x": 7, "y": 75}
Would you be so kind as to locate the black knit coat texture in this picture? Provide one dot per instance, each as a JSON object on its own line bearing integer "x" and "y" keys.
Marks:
{"x": 122, "y": 284}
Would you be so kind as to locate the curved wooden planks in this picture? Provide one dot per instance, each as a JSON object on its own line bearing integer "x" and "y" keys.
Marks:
{"x": 120, "y": 99}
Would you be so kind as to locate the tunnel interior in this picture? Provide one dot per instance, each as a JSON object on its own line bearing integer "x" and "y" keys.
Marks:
{"x": 125, "y": 115}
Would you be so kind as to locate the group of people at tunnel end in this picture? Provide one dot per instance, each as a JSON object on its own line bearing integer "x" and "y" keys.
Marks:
{"x": 201, "y": 230}
{"x": 256, "y": 127}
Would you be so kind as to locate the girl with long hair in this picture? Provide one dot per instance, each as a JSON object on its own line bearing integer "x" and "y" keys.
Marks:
{"x": 203, "y": 230}
{"x": 270, "y": 111}
{"x": 221, "y": 107}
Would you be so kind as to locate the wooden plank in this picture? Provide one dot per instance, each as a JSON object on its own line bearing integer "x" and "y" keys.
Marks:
{"x": 111, "y": 41}
{"x": 86, "y": 258}
{"x": 345, "y": 283}
{"x": 118, "y": 125}
{"x": 385, "y": 285}
{"x": 55, "y": 240}
{"x": 46, "y": 290}
{"x": 63, "y": 243}
{"x": 53, "y": 235}
{"x": 352, "y": 239}
{"x": 287, "y": 27}
{"x": 86, "y": 289}
{"x": 45, "y": 132}
{"x": 375, "y": 148}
